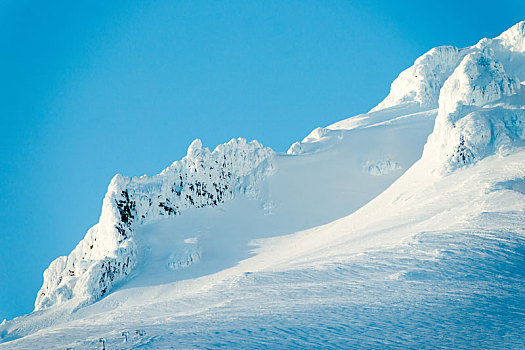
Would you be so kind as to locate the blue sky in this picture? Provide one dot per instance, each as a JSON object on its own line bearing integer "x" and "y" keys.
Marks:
{"x": 93, "y": 89}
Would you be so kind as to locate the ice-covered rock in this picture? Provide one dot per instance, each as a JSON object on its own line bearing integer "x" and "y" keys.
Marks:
{"x": 295, "y": 148}
{"x": 421, "y": 82}
{"x": 477, "y": 80}
{"x": 184, "y": 257}
{"x": 316, "y": 134}
{"x": 513, "y": 38}
{"x": 108, "y": 252}
{"x": 472, "y": 88}
{"x": 471, "y": 124}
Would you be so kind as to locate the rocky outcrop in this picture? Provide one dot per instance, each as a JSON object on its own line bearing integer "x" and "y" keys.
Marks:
{"x": 108, "y": 253}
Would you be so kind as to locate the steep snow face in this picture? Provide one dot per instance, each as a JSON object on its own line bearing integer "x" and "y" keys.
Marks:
{"x": 471, "y": 124}
{"x": 421, "y": 82}
{"x": 109, "y": 251}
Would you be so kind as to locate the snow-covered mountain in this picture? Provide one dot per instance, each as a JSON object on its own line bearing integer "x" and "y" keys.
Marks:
{"x": 402, "y": 227}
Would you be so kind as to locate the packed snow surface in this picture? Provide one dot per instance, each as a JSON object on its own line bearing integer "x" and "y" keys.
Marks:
{"x": 400, "y": 228}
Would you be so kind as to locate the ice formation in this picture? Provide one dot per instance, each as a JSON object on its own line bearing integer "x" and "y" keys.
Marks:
{"x": 481, "y": 108}
{"x": 421, "y": 82}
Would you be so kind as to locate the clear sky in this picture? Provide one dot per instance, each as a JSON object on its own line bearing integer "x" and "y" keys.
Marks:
{"x": 91, "y": 89}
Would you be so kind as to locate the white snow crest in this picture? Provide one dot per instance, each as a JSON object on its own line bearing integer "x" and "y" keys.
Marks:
{"x": 477, "y": 81}
{"x": 514, "y": 37}
{"x": 295, "y": 149}
{"x": 421, "y": 82}
{"x": 316, "y": 134}
{"x": 108, "y": 251}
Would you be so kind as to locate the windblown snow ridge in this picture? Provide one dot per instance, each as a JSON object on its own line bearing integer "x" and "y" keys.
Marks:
{"x": 108, "y": 252}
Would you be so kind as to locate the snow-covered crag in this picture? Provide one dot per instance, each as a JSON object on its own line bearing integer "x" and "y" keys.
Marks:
{"x": 108, "y": 252}
{"x": 481, "y": 104}
{"x": 421, "y": 83}
{"x": 471, "y": 124}
{"x": 478, "y": 94}
{"x": 476, "y": 91}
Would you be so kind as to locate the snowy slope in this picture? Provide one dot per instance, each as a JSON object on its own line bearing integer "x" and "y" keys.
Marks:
{"x": 362, "y": 234}
{"x": 424, "y": 273}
